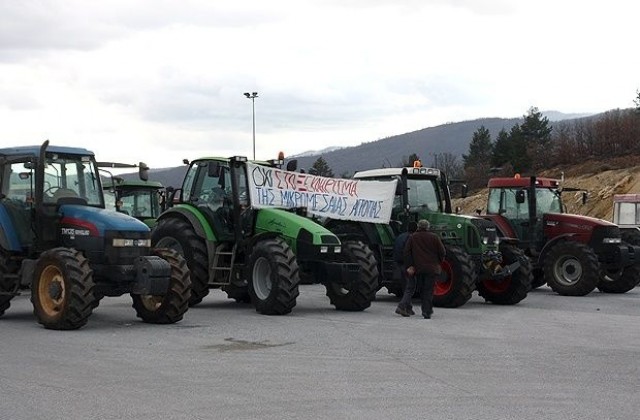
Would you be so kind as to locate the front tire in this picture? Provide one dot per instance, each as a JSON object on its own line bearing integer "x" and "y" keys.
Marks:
{"x": 363, "y": 290}
{"x": 171, "y": 307}
{"x": 514, "y": 288}
{"x": 624, "y": 281}
{"x": 179, "y": 235}
{"x": 572, "y": 269}
{"x": 458, "y": 281}
{"x": 62, "y": 289}
{"x": 274, "y": 277}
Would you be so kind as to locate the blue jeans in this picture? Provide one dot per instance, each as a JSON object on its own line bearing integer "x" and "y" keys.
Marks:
{"x": 423, "y": 281}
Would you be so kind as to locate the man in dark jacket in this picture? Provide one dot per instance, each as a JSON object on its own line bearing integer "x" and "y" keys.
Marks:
{"x": 425, "y": 252}
{"x": 402, "y": 265}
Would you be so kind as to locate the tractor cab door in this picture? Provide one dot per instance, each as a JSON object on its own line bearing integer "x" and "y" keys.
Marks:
{"x": 512, "y": 205}
{"x": 210, "y": 192}
{"x": 16, "y": 203}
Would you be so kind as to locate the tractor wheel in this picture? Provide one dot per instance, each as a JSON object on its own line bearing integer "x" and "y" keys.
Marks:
{"x": 622, "y": 282}
{"x": 512, "y": 289}
{"x": 363, "y": 290}
{"x": 458, "y": 281}
{"x": 572, "y": 269}
{"x": 171, "y": 307}
{"x": 7, "y": 285}
{"x": 538, "y": 278}
{"x": 273, "y": 277}
{"x": 179, "y": 235}
{"x": 62, "y": 289}
{"x": 630, "y": 236}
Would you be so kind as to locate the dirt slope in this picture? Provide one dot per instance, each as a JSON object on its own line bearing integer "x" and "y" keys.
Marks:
{"x": 602, "y": 179}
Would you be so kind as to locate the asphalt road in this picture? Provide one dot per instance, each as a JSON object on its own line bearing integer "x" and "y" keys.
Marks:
{"x": 549, "y": 357}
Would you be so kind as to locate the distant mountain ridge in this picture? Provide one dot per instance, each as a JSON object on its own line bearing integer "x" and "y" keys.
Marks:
{"x": 451, "y": 138}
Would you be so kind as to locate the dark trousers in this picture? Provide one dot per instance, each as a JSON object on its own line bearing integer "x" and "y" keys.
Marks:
{"x": 425, "y": 283}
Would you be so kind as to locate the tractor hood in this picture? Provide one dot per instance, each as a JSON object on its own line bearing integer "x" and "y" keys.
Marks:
{"x": 97, "y": 220}
{"x": 293, "y": 227}
{"x": 574, "y": 221}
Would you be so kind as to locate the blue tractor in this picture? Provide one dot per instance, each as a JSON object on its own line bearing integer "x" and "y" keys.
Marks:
{"x": 58, "y": 240}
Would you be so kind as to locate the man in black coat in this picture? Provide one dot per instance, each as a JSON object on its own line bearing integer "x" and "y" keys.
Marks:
{"x": 424, "y": 252}
{"x": 398, "y": 257}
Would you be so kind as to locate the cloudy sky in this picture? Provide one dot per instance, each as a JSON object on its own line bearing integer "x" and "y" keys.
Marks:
{"x": 160, "y": 80}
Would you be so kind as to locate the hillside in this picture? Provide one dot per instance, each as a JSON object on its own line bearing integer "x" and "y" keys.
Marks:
{"x": 602, "y": 179}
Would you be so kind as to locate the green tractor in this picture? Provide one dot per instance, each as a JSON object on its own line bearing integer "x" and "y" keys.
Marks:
{"x": 140, "y": 198}
{"x": 476, "y": 259}
{"x": 57, "y": 238}
{"x": 258, "y": 255}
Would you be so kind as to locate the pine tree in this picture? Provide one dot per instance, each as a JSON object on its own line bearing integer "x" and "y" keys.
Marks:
{"x": 480, "y": 148}
{"x": 321, "y": 167}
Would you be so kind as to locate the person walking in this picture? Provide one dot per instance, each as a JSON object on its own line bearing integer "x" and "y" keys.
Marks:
{"x": 425, "y": 252}
{"x": 404, "y": 307}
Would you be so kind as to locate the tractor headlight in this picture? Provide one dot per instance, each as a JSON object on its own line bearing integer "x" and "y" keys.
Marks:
{"x": 611, "y": 240}
{"x": 337, "y": 250}
{"x": 324, "y": 249}
{"x": 485, "y": 240}
{"x": 126, "y": 243}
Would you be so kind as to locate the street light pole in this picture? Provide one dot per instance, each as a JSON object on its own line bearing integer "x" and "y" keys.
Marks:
{"x": 253, "y": 96}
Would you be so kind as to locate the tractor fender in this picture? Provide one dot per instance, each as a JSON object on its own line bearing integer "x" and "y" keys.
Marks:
{"x": 194, "y": 218}
{"x": 550, "y": 244}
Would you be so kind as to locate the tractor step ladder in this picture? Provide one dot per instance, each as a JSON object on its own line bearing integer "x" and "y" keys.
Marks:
{"x": 223, "y": 261}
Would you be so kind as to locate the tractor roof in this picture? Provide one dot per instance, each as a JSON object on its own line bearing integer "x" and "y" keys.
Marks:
{"x": 522, "y": 182}
{"x": 35, "y": 150}
{"x": 132, "y": 183}
{"x": 387, "y": 172}
{"x": 626, "y": 198}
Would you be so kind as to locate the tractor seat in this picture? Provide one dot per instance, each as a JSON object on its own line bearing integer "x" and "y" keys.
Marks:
{"x": 63, "y": 193}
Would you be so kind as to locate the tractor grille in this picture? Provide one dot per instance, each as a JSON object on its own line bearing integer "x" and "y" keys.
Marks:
{"x": 486, "y": 229}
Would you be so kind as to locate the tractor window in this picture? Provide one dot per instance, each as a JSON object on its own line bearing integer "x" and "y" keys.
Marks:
{"x": 140, "y": 203}
{"x": 503, "y": 201}
{"x": 208, "y": 189}
{"x": 547, "y": 201}
{"x": 17, "y": 183}
{"x": 71, "y": 176}
{"x": 423, "y": 193}
{"x": 627, "y": 214}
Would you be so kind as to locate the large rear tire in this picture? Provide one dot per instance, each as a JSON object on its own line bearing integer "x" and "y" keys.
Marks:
{"x": 171, "y": 307}
{"x": 363, "y": 290}
{"x": 274, "y": 277}
{"x": 621, "y": 282}
{"x": 179, "y": 235}
{"x": 572, "y": 269}
{"x": 514, "y": 288}
{"x": 458, "y": 281}
{"x": 62, "y": 289}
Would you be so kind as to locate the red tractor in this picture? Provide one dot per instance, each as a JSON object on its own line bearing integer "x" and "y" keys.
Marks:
{"x": 573, "y": 254}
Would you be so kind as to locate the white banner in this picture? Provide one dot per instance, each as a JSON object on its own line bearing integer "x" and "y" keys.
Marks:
{"x": 347, "y": 199}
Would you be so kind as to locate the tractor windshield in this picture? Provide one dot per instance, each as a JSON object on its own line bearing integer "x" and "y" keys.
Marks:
{"x": 140, "y": 203}
{"x": 423, "y": 193}
{"x": 72, "y": 176}
{"x": 503, "y": 201}
{"x": 548, "y": 201}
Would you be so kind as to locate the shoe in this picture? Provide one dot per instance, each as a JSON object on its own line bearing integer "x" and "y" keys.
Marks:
{"x": 427, "y": 316}
{"x": 401, "y": 311}
{"x": 411, "y": 311}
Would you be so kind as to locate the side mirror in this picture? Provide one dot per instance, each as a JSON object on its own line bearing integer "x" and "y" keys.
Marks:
{"x": 292, "y": 165}
{"x": 584, "y": 197}
{"x": 213, "y": 169}
{"x": 458, "y": 209}
{"x": 520, "y": 197}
